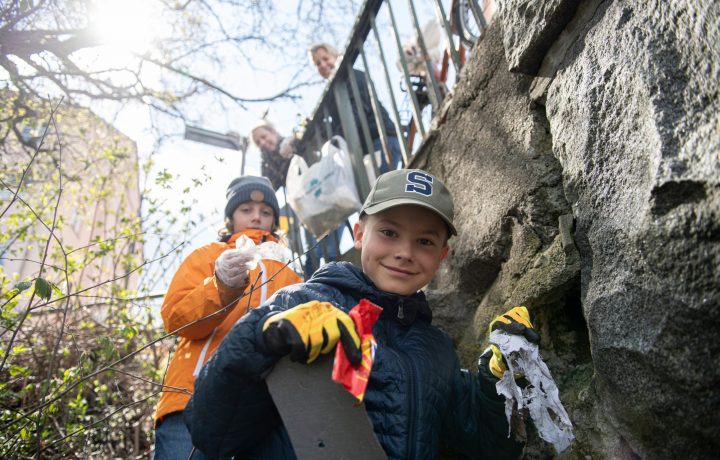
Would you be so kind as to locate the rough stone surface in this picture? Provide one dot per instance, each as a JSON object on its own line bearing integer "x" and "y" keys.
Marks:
{"x": 531, "y": 27}
{"x": 634, "y": 115}
{"x": 497, "y": 160}
{"x": 601, "y": 213}
{"x": 494, "y": 152}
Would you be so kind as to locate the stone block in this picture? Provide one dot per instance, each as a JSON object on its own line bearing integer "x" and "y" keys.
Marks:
{"x": 531, "y": 27}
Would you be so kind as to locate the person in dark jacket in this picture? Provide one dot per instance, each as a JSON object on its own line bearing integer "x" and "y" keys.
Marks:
{"x": 275, "y": 152}
{"x": 325, "y": 58}
{"x": 418, "y": 398}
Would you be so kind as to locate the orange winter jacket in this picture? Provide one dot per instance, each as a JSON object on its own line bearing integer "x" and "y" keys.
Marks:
{"x": 195, "y": 293}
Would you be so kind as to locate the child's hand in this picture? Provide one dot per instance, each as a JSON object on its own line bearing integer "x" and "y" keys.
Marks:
{"x": 231, "y": 268}
{"x": 309, "y": 329}
{"x": 515, "y": 321}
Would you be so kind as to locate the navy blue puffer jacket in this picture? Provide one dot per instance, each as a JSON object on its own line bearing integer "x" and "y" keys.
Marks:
{"x": 417, "y": 398}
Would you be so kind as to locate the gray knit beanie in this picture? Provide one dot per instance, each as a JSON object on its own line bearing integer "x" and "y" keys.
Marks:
{"x": 251, "y": 188}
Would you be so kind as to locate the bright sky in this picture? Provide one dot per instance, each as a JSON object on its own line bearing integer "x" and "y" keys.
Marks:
{"x": 189, "y": 161}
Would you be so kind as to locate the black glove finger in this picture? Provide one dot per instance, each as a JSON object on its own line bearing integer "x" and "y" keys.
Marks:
{"x": 275, "y": 340}
{"x": 325, "y": 339}
{"x": 293, "y": 342}
{"x": 513, "y": 327}
{"x": 532, "y": 336}
{"x": 353, "y": 352}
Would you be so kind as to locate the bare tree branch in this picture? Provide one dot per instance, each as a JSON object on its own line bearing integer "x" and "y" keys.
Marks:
{"x": 87, "y": 427}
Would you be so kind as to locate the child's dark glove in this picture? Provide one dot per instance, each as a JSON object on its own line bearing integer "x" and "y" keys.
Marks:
{"x": 515, "y": 321}
{"x": 309, "y": 329}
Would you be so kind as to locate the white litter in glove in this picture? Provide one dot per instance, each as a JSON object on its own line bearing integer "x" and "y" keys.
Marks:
{"x": 274, "y": 251}
{"x": 233, "y": 265}
{"x": 540, "y": 396}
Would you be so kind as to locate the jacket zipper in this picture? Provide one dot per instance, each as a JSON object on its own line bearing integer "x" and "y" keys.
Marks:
{"x": 407, "y": 365}
{"x": 263, "y": 297}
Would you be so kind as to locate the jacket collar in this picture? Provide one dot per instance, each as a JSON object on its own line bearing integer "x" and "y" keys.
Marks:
{"x": 258, "y": 236}
{"x": 404, "y": 309}
{"x": 351, "y": 280}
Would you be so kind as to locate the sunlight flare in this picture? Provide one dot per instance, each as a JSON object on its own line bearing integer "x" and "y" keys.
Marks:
{"x": 128, "y": 25}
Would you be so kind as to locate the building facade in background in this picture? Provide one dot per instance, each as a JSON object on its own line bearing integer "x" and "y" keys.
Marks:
{"x": 77, "y": 175}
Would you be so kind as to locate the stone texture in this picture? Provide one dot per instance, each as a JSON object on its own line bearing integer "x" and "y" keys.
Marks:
{"x": 497, "y": 160}
{"x": 555, "y": 55}
{"x": 494, "y": 152}
{"x": 531, "y": 27}
{"x": 634, "y": 119}
{"x": 600, "y": 211}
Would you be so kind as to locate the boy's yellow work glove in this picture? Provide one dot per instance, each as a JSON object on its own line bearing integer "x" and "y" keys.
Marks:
{"x": 309, "y": 329}
{"x": 515, "y": 321}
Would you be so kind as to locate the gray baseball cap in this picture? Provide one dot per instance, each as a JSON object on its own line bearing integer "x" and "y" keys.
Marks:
{"x": 411, "y": 186}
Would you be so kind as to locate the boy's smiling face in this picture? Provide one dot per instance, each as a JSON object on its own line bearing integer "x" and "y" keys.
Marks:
{"x": 401, "y": 247}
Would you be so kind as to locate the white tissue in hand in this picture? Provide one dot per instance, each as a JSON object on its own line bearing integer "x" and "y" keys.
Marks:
{"x": 274, "y": 251}
{"x": 540, "y": 396}
{"x": 247, "y": 247}
{"x": 233, "y": 265}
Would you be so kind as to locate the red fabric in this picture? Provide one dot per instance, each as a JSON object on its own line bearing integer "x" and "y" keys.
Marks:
{"x": 355, "y": 378}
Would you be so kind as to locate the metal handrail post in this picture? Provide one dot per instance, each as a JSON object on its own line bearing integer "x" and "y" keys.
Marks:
{"x": 345, "y": 112}
{"x": 396, "y": 119}
{"x": 417, "y": 115}
{"x": 363, "y": 118}
{"x": 378, "y": 117}
{"x": 435, "y": 96}
{"x": 314, "y": 260}
{"x": 440, "y": 12}
{"x": 478, "y": 13}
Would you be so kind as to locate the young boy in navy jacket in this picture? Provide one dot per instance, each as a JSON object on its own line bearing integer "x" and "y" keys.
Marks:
{"x": 417, "y": 397}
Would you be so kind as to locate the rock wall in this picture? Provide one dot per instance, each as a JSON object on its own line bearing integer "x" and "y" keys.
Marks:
{"x": 588, "y": 189}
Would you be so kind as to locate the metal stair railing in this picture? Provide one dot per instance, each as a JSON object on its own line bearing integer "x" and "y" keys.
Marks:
{"x": 374, "y": 41}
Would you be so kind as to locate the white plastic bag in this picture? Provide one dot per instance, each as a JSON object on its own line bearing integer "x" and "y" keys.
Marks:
{"x": 324, "y": 194}
{"x": 541, "y": 396}
{"x": 369, "y": 169}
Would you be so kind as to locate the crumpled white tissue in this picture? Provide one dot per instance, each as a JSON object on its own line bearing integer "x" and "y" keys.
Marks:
{"x": 247, "y": 246}
{"x": 269, "y": 250}
{"x": 540, "y": 396}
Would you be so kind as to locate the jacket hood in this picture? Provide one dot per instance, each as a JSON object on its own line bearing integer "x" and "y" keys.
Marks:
{"x": 350, "y": 280}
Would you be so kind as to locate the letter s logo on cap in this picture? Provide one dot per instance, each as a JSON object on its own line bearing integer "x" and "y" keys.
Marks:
{"x": 419, "y": 182}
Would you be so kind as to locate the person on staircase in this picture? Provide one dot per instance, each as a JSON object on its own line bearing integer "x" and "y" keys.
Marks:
{"x": 325, "y": 58}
